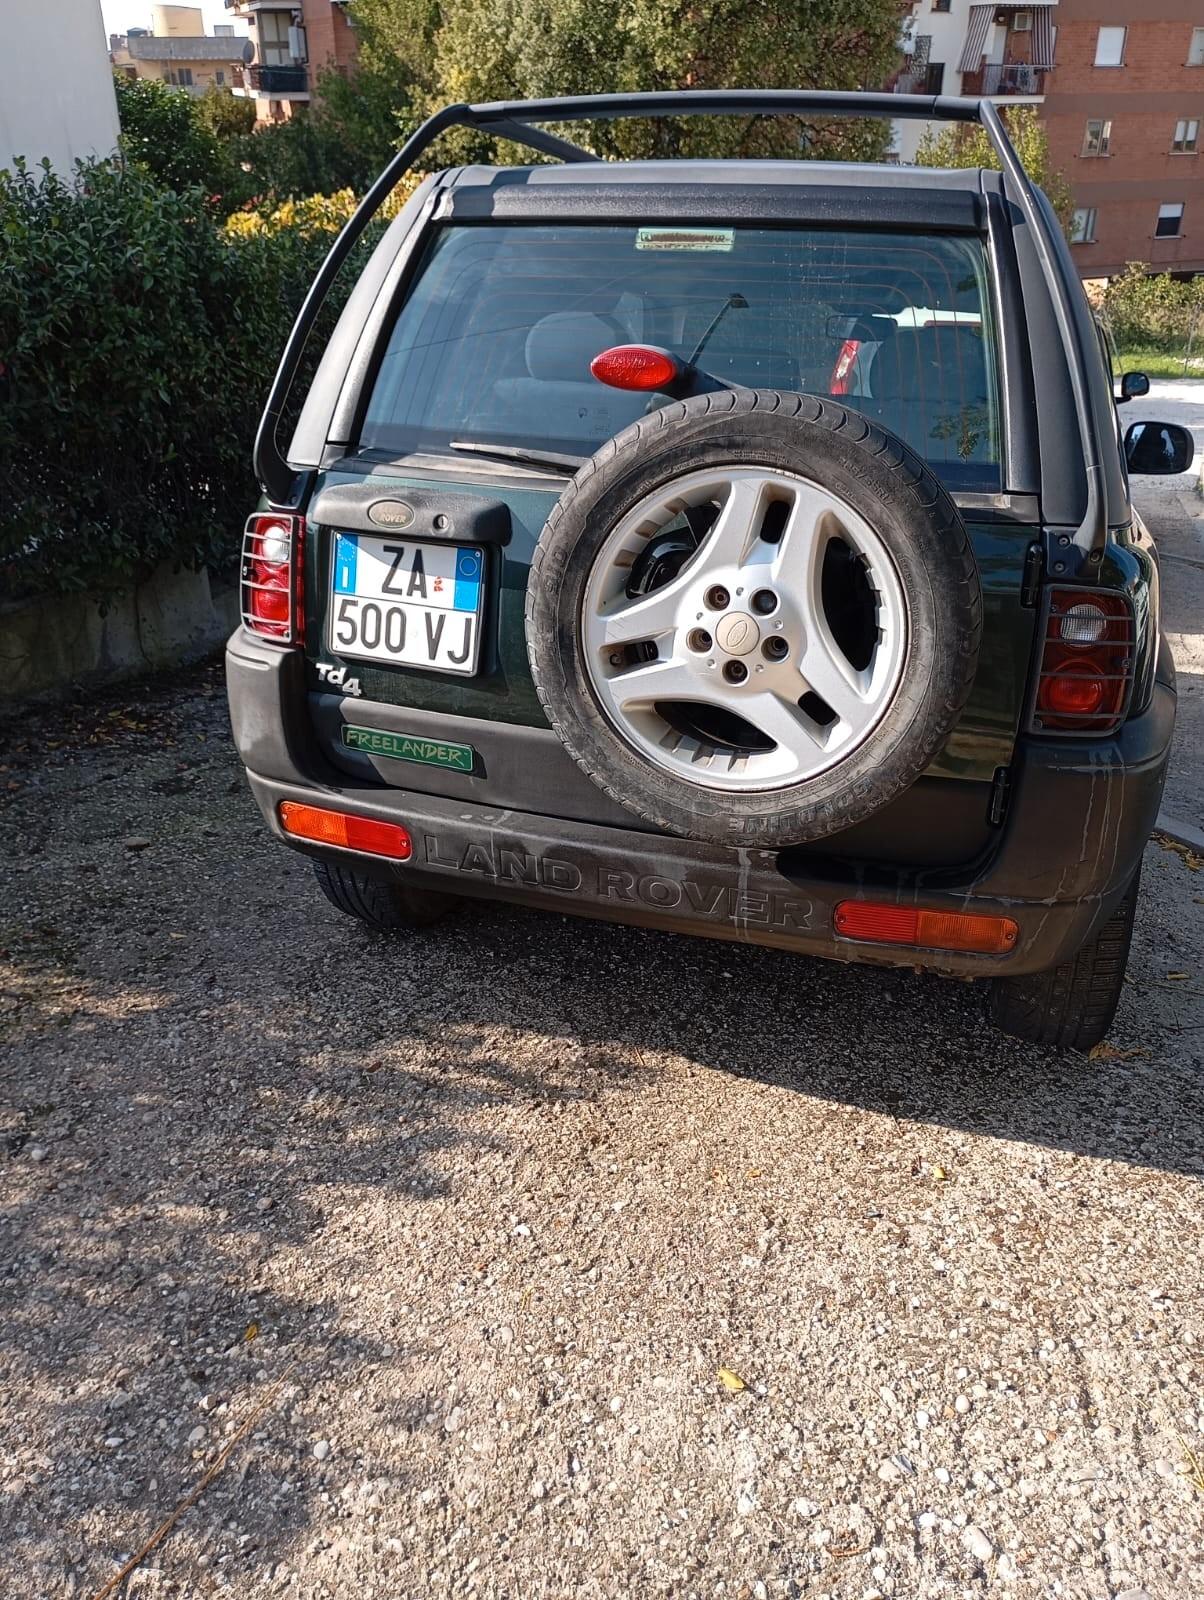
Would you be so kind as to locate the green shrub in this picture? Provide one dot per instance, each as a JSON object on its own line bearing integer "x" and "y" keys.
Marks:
{"x": 137, "y": 343}
{"x": 1154, "y": 311}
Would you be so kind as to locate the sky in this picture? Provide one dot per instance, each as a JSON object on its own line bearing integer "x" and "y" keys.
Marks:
{"x": 121, "y": 15}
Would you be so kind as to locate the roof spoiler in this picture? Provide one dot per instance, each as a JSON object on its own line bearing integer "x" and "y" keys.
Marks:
{"x": 514, "y": 119}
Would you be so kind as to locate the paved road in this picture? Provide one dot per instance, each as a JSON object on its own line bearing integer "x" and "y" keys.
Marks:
{"x": 480, "y": 1217}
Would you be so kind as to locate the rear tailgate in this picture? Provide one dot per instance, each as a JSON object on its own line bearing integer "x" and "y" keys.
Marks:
{"x": 427, "y": 719}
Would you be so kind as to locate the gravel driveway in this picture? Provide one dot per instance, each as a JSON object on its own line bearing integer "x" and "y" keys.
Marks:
{"x": 562, "y": 1259}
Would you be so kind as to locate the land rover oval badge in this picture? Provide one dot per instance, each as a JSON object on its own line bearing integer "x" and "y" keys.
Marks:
{"x": 391, "y": 514}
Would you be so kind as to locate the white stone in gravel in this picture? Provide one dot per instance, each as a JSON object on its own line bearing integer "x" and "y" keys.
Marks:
{"x": 804, "y": 1508}
{"x": 1006, "y": 1569}
{"x": 941, "y": 1475}
{"x": 961, "y": 1405}
{"x": 922, "y": 1419}
{"x": 746, "y": 1505}
{"x": 37, "y": 1152}
{"x": 538, "y": 1489}
{"x": 890, "y": 1471}
{"x": 197, "y": 1436}
{"x": 321, "y": 1449}
{"x": 977, "y": 1543}
{"x": 760, "y": 1592}
{"x": 890, "y": 1399}
{"x": 927, "y": 1519}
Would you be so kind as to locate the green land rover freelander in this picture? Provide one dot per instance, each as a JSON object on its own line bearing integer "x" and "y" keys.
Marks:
{"x": 738, "y": 548}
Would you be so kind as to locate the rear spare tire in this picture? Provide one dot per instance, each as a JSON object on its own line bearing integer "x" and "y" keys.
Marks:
{"x": 753, "y": 618}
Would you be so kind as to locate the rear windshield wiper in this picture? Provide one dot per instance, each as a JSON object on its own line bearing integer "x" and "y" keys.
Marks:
{"x": 528, "y": 458}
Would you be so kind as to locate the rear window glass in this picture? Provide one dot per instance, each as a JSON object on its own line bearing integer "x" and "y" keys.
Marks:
{"x": 494, "y": 342}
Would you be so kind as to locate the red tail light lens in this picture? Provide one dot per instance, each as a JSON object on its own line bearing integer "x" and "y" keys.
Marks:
{"x": 926, "y": 930}
{"x": 350, "y": 833}
{"x": 1087, "y": 661}
{"x": 272, "y": 550}
{"x": 841, "y": 380}
{"x": 636, "y": 366}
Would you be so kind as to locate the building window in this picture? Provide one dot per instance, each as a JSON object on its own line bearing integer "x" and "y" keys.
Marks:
{"x": 941, "y": 5}
{"x": 219, "y": 77}
{"x": 1098, "y": 138}
{"x": 1170, "y": 221}
{"x": 273, "y": 38}
{"x": 1187, "y": 137}
{"x": 1022, "y": 22}
{"x": 1082, "y": 227}
{"x": 1195, "y": 50}
{"x": 1110, "y": 47}
{"x": 181, "y": 77}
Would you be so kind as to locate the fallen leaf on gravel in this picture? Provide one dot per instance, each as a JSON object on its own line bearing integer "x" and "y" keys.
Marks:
{"x": 252, "y": 1332}
{"x": 1109, "y": 1052}
{"x": 731, "y": 1381}
{"x": 850, "y": 1550}
{"x": 1178, "y": 975}
{"x": 1183, "y": 851}
{"x": 939, "y": 1174}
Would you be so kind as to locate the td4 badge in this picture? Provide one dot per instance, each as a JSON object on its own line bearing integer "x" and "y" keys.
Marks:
{"x": 336, "y": 678}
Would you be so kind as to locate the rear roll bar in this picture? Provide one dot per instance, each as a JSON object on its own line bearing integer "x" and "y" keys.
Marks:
{"x": 512, "y": 119}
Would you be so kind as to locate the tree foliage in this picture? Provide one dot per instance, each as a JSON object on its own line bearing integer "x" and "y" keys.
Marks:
{"x": 163, "y": 134}
{"x": 137, "y": 340}
{"x": 965, "y": 144}
{"x": 1154, "y": 311}
{"x": 506, "y": 49}
{"x": 225, "y": 115}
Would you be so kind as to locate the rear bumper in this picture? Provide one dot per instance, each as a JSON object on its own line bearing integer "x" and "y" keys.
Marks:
{"x": 1077, "y": 821}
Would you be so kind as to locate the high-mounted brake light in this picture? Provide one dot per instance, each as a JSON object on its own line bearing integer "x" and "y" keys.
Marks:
{"x": 1088, "y": 653}
{"x": 636, "y": 366}
{"x": 882, "y": 923}
{"x": 272, "y": 576}
{"x": 350, "y": 833}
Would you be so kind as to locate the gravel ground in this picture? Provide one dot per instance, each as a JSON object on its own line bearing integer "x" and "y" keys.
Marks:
{"x": 482, "y": 1219}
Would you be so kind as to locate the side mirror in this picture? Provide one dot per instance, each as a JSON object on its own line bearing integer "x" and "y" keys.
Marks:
{"x": 1132, "y": 386}
{"x": 1159, "y": 447}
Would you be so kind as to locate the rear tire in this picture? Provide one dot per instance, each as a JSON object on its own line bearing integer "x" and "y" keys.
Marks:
{"x": 1072, "y": 1006}
{"x": 387, "y": 906}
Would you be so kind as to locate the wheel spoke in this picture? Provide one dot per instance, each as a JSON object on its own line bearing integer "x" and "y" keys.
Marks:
{"x": 825, "y": 671}
{"x": 658, "y": 680}
{"x": 798, "y": 563}
{"x": 780, "y": 719}
{"x": 738, "y": 524}
{"x": 650, "y": 617}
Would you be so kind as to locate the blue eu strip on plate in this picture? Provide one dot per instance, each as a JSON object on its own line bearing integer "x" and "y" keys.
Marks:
{"x": 468, "y": 580}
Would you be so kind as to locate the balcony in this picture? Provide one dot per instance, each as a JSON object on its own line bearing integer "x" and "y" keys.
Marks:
{"x": 1005, "y": 79}
{"x": 262, "y": 79}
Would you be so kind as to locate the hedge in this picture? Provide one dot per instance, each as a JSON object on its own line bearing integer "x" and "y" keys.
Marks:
{"x": 1153, "y": 311}
{"x": 137, "y": 342}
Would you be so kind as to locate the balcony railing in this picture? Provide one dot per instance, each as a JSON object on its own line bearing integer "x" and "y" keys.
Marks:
{"x": 278, "y": 80}
{"x": 994, "y": 78}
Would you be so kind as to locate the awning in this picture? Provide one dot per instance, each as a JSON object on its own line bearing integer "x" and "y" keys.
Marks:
{"x": 977, "y": 29}
{"x": 1043, "y": 38}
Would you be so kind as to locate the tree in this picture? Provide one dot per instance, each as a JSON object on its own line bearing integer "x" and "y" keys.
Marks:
{"x": 225, "y": 115}
{"x": 505, "y": 49}
{"x": 965, "y": 144}
{"x": 162, "y": 133}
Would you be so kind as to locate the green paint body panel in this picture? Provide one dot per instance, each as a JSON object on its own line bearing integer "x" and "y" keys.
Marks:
{"x": 502, "y": 691}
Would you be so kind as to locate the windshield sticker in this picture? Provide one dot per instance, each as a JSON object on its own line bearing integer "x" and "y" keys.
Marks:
{"x": 684, "y": 238}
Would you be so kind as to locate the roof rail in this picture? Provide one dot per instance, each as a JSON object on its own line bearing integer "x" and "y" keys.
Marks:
{"x": 512, "y": 119}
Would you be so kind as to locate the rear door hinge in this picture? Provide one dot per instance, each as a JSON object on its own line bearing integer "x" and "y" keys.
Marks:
{"x": 1001, "y": 786}
{"x": 1030, "y": 582}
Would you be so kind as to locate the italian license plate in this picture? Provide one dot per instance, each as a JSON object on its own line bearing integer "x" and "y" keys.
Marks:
{"x": 408, "y": 603}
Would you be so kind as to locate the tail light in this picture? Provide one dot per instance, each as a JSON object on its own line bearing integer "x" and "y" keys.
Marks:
{"x": 842, "y": 373}
{"x": 1088, "y": 653}
{"x": 272, "y": 576}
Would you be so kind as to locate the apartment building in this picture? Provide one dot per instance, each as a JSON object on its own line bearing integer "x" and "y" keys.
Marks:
{"x": 293, "y": 40}
{"x": 1002, "y": 52}
{"x": 1125, "y": 114}
{"x": 1120, "y": 87}
{"x": 178, "y": 51}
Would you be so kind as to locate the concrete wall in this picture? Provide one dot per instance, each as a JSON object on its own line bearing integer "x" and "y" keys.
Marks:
{"x": 177, "y": 22}
{"x": 49, "y": 646}
{"x": 56, "y": 87}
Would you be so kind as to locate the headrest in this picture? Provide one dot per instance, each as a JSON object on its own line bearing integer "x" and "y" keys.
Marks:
{"x": 562, "y": 345}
